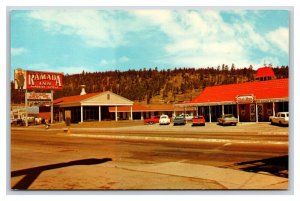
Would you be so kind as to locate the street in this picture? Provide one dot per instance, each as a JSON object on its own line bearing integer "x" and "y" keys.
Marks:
{"x": 149, "y": 157}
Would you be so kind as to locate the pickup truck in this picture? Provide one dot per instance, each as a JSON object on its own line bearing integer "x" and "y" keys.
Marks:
{"x": 281, "y": 118}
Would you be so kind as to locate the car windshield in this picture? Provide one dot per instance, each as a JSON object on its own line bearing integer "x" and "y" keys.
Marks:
{"x": 163, "y": 117}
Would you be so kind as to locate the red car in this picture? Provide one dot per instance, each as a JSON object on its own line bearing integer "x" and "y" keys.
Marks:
{"x": 152, "y": 120}
{"x": 198, "y": 121}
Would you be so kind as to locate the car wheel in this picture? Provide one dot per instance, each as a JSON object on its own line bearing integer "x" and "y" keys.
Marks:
{"x": 151, "y": 122}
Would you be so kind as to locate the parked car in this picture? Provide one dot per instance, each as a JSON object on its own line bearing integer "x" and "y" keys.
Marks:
{"x": 187, "y": 117}
{"x": 227, "y": 119}
{"x": 16, "y": 121}
{"x": 152, "y": 120}
{"x": 198, "y": 121}
{"x": 281, "y": 118}
{"x": 164, "y": 119}
{"x": 179, "y": 120}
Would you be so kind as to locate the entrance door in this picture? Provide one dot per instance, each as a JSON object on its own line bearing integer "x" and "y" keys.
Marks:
{"x": 252, "y": 112}
{"x": 260, "y": 112}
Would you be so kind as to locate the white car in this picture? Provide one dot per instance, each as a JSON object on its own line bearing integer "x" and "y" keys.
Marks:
{"x": 281, "y": 118}
{"x": 164, "y": 119}
{"x": 188, "y": 117}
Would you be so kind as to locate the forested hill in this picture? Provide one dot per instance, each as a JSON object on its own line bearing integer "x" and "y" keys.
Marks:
{"x": 153, "y": 85}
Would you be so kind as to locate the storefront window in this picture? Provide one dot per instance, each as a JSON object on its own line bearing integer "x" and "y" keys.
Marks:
{"x": 283, "y": 107}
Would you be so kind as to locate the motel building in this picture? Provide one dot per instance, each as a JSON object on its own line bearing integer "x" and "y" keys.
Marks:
{"x": 141, "y": 112}
{"x": 107, "y": 105}
{"x": 90, "y": 107}
{"x": 249, "y": 101}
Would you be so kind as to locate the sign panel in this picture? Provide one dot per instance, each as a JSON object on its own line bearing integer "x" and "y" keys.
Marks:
{"x": 245, "y": 99}
{"x": 38, "y": 80}
{"x": 38, "y": 96}
{"x": 68, "y": 114}
{"x": 20, "y": 79}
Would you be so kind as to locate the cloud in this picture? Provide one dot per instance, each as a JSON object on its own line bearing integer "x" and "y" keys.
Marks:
{"x": 65, "y": 69}
{"x": 120, "y": 60}
{"x": 205, "y": 39}
{"x": 280, "y": 38}
{"x": 192, "y": 38}
{"x": 97, "y": 29}
{"x": 18, "y": 51}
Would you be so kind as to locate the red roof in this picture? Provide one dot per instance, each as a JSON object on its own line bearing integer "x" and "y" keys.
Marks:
{"x": 265, "y": 72}
{"x": 269, "y": 89}
{"x": 147, "y": 108}
{"x": 74, "y": 99}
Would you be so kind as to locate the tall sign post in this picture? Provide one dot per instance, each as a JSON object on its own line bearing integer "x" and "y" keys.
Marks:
{"x": 20, "y": 84}
{"x": 38, "y": 80}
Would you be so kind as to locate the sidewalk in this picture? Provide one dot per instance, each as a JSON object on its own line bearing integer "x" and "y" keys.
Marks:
{"x": 229, "y": 178}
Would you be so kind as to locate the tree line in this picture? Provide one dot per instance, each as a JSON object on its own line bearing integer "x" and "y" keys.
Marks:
{"x": 145, "y": 84}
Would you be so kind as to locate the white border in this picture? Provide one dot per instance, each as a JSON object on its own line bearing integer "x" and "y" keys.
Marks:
{"x": 161, "y": 3}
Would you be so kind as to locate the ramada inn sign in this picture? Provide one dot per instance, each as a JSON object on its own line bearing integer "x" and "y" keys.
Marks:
{"x": 38, "y": 80}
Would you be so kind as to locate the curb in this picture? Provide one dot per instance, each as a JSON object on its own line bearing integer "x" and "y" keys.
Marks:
{"x": 252, "y": 145}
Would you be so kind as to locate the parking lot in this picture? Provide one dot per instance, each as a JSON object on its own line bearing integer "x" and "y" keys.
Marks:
{"x": 137, "y": 125}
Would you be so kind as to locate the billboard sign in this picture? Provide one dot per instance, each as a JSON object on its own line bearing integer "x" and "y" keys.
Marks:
{"x": 245, "y": 99}
{"x": 38, "y": 80}
{"x": 38, "y": 96}
{"x": 20, "y": 79}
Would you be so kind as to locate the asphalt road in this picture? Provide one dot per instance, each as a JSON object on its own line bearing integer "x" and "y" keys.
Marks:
{"x": 147, "y": 159}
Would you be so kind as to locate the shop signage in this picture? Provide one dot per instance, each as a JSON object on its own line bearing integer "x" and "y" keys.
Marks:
{"x": 38, "y": 96}
{"x": 40, "y": 103}
{"x": 245, "y": 99}
{"x": 38, "y": 80}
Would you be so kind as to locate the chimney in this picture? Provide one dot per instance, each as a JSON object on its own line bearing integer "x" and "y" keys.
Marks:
{"x": 82, "y": 90}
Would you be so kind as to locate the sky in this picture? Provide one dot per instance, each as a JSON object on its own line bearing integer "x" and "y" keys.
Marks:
{"x": 90, "y": 40}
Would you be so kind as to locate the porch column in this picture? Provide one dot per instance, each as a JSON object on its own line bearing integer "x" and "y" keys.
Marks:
{"x": 51, "y": 109}
{"x": 222, "y": 109}
{"x": 256, "y": 112}
{"x": 81, "y": 113}
{"x": 273, "y": 108}
{"x": 197, "y": 108}
{"x": 142, "y": 115}
{"x": 116, "y": 113}
{"x": 209, "y": 110}
{"x": 99, "y": 113}
{"x": 131, "y": 117}
{"x": 238, "y": 112}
